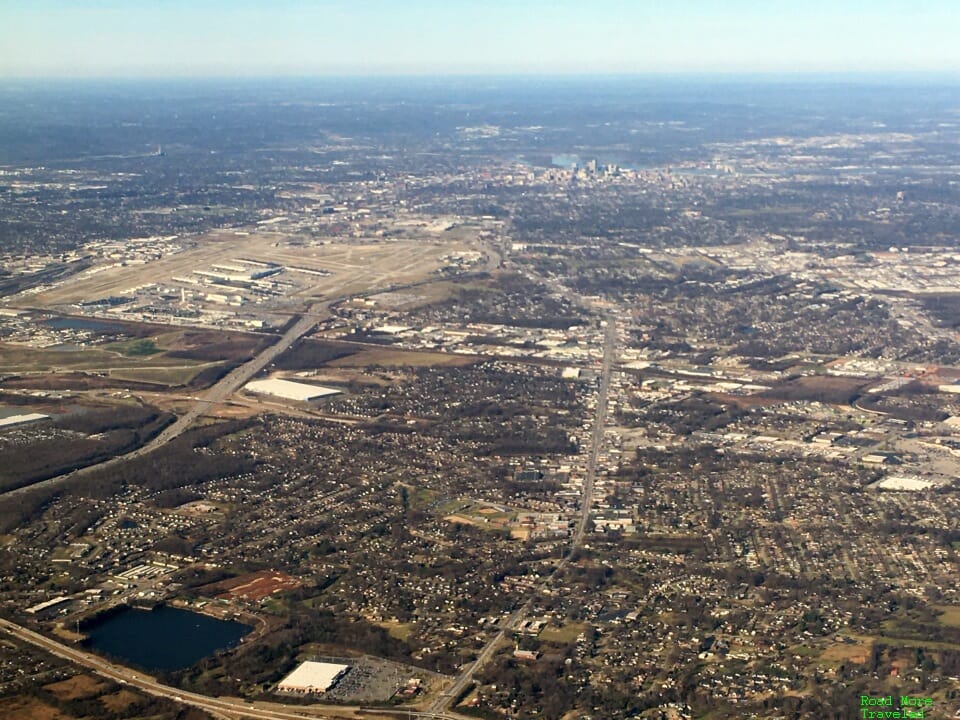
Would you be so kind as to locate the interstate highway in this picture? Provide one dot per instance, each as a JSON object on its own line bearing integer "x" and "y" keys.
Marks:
{"x": 219, "y": 707}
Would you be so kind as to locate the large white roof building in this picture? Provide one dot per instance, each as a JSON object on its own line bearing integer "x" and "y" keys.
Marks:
{"x": 22, "y": 419}
{"x": 312, "y": 677}
{"x": 289, "y": 390}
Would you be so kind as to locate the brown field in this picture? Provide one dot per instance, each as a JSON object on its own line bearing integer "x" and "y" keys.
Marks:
{"x": 669, "y": 617}
{"x": 424, "y": 295}
{"x": 77, "y": 381}
{"x": 944, "y": 376}
{"x": 321, "y": 648}
{"x": 254, "y": 586}
{"x": 19, "y": 359}
{"x": 899, "y": 642}
{"x": 171, "y": 377}
{"x": 390, "y": 357}
{"x": 182, "y": 354}
{"x": 119, "y": 701}
{"x": 743, "y": 401}
{"x": 79, "y": 686}
{"x": 20, "y": 707}
{"x": 201, "y": 339}
{"x": 857, "y": 652}
{"x": 244, "y": 409}
{"x": 823, "y": 388}
{"x": 118, "y": 327}
{"x": 485, "y": 523}
{"x": 176, "y": 402}
{"x": 684, "y": 260}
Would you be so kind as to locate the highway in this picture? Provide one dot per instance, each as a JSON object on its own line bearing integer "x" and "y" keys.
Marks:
{"x": 596, "y": 443}
{"x": 217, "y": 393}
{"x": 596, "y": 438}
{"x": 230, "y": 707}
{"x": 242, "y": 374}
{"x": 237, "y": 378}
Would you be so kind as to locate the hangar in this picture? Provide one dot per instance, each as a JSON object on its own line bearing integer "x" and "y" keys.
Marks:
{"x": 289, "y": 390}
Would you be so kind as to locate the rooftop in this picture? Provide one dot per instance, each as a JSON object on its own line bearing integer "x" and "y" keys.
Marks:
{"x": 312, "y": 677}
{"x": 289, "y": 389}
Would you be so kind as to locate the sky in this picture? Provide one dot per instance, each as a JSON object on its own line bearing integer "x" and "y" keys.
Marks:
{"x": 259, "y": 38}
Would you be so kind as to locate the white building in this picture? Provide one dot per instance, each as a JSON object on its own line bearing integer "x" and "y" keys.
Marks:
{"x": 289, "y": 390}
{"x": 14, "y": 420}
{"x": 312, "y": 677}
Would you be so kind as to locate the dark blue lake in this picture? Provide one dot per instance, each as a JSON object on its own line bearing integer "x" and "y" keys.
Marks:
{"x": 75, "y": 323}
{"x": 163, "y": 639}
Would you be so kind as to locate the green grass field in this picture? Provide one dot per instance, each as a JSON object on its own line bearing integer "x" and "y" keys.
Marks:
{"x": 400, "y": 631}
{"x": 949, "y": 615}
{"x": 562, "y": 635}
{"x": 136, "y": 347}
{"x": 19, "y": 359}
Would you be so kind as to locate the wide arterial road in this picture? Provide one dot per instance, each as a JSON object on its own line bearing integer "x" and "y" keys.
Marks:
{"x": 596, "y": 442}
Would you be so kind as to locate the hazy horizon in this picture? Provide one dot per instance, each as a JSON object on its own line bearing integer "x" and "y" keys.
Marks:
{"x": 214, "y": 38}
{"x": 871, "y": 77}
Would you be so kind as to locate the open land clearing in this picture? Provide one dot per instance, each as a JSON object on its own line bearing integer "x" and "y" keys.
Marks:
{"x": 171, "y": 376}
{"x": 950, "y": 615}
{"x": 76, "y": 687}
{"x": 254, "y": 586}
{"x": 23, "y": 360}
{"x": 119, "y": 701}
{"x": 838, "y": 653}
{"x": 389, "y": 357}
{"x": 187, "y": 351}
{"x": 564, "y": 634}
{"x": 20, "y": 707}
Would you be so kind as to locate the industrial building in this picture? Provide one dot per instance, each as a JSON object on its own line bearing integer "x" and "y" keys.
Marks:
{"x": 289, "y": 390}
{"x": 312, "y": 678}
{"x": 15, "y": 420}
{"x": 903, "y": 483}
{"x": 47, "y": 604}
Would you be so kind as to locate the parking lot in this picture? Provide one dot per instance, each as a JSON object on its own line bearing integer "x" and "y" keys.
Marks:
{"x": 369, "y": 680}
